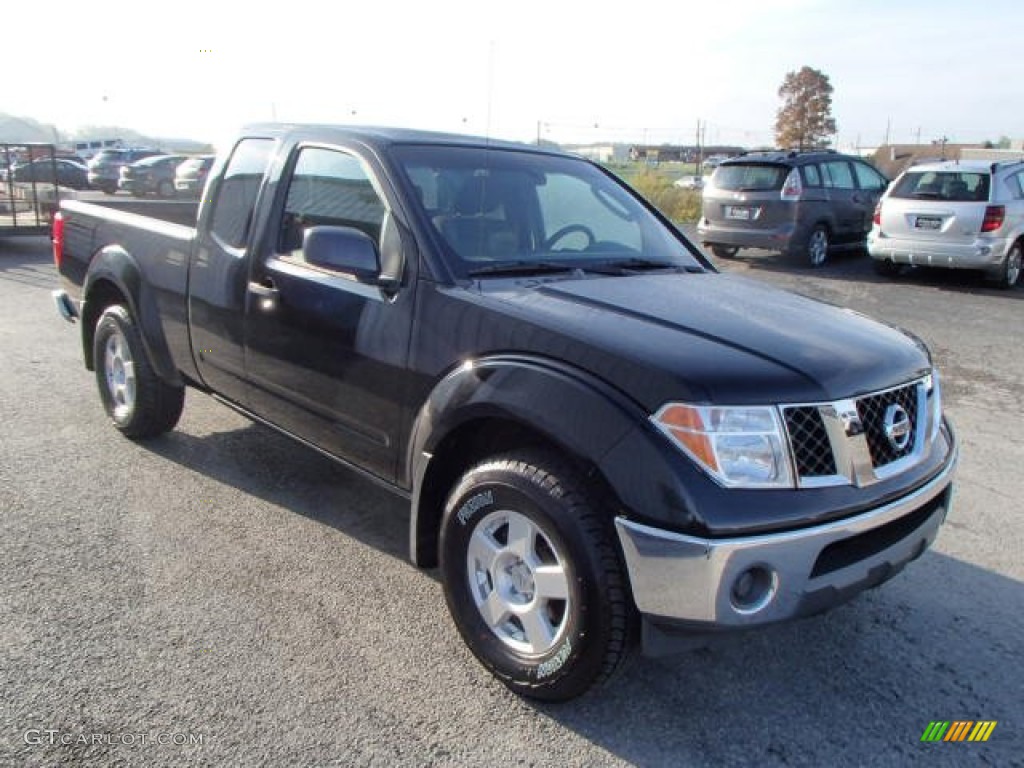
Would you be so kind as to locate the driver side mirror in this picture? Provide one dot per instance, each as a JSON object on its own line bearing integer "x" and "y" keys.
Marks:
{"x": 342, "y": 249}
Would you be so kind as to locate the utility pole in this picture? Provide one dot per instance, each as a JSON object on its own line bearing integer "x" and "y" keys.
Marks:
{"x": 700, "y": 153}
{"x": 917, "y": 134}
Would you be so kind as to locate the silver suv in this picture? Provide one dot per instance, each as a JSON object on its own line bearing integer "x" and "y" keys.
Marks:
{"x": 803, "y": 203}
{"x": 961, "y": 215}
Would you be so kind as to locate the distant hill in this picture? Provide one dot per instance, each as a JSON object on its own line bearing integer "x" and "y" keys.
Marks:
{"x": 15, "y": 130}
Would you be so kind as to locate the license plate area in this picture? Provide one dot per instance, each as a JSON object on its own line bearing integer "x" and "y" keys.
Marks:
{"x": 740, "y": 213}
{"x": 928, "y": 222}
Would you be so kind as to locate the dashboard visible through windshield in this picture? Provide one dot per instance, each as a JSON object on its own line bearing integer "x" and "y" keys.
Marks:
{"x": 501, "y": 211}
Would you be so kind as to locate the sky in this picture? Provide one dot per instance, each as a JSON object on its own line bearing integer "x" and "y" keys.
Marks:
{"x": 570, "y": 71}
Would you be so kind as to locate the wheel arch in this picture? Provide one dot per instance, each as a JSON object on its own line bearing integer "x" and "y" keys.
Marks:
{"x": 499, "y": 406}
{"x": 114, "y": 277}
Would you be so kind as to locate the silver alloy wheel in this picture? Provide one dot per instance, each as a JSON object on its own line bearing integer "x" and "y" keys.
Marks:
{"x": 1013, "y": 259}
{"x": 518, "y": 581}
{"x": 119, "y": 371}
{"x": 817, "y": 247}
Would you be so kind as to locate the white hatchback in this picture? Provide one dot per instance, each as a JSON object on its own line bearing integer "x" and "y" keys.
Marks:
{"x": 961, "y": 215}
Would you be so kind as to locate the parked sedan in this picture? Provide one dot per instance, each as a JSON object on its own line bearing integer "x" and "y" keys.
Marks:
{"x": 150, "y": 176}
{"x": 105, "y": 166}
{"x": 960, "y": 215}
{"x": 67, "y": 172}
{"x": 190, "y": 178}
{"x": 689, "y": 182}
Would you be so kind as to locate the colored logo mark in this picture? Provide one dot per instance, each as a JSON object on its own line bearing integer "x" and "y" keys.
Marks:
{"x": 959, "y": 730}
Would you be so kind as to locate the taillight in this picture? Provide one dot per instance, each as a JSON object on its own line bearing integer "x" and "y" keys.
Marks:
{"x": 57, "y": 238}
{"x": 994, "y": 215}
{"x": 877, "y": 218}
{"x": 792, "y": 188}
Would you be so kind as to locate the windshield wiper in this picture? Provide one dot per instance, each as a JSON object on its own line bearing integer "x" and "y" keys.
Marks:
{"x": 635, "y": 264}
{"x": 522, "y": 268}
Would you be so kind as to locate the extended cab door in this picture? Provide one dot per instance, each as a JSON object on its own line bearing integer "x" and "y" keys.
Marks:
{"x": 219, "y": 271}
{"x": 326, "y": 350}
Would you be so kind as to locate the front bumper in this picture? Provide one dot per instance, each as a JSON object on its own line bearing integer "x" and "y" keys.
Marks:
{"x": 708, "y": 585}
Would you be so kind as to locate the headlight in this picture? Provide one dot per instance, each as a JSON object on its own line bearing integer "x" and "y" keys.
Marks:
{"x": 741, "y": 447}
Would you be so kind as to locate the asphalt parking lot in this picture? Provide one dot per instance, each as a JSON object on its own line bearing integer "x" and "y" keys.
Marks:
{"x": 221, "y": 596}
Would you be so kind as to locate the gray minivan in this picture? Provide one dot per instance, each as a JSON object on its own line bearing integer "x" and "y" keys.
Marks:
{"x": 802, "y": 203}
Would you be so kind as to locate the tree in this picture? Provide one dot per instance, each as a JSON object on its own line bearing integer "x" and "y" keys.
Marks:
{"x": 805, "y": 119}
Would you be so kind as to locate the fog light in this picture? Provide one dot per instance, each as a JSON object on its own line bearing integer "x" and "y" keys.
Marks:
{"x": 753, "y": 589}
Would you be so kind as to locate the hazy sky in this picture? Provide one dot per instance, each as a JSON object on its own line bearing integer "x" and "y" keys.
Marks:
{"x": 582, "y": 71}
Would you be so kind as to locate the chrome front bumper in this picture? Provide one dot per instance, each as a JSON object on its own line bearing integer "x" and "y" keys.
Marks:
{"x": 713, "y": 584}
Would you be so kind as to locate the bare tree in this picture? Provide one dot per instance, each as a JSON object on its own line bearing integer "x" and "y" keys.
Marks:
{"x": 805, "y": 119}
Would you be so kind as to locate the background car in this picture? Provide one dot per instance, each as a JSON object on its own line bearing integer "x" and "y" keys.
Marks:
{"x": 105, "y": 166}
{"x": 68, "y": 173}
{"x": 689, "y": 182}
{"x": 959, "y": 215}
{"x": 190, "y": 177}
{"x": 802, "y": 203}
{"x": 150, "y": 176}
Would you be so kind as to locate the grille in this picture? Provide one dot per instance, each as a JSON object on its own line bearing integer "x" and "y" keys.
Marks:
{"x": 811, "y": 447}
{"x": 872, "y": 415}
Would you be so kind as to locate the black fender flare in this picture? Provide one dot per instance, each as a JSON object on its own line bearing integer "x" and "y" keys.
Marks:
{"x": 570, "y": 408}
{"x": 113, "y": 264}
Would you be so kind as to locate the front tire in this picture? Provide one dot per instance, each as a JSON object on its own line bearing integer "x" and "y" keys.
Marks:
{"x": 532, "y": 577}
{"x": 138, "y": 401}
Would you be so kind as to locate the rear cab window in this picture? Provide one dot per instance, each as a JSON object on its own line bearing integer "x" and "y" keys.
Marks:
{"x": 236, "y": 194}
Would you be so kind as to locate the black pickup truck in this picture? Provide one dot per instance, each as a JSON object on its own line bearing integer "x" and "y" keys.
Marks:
{"x": 605, "y": 443}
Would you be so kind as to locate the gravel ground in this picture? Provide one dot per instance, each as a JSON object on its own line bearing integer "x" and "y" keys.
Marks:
{"x": 248, "y": 602}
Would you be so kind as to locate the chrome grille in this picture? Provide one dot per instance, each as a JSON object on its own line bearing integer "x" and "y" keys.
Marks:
{"x": 872, "y": 414}
{"x": 811, "y": 448}
{"x": 845, "y": 442}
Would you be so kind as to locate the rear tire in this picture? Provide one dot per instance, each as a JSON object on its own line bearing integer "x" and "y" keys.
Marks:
{"x": 138, "y": 401}
{"x": 165, "y": 189}
{"x": 725, "y": 251}
{"x": 817, "y": 246}
{"x": 532, "y": 577}
{"x": 1009, "y": 274}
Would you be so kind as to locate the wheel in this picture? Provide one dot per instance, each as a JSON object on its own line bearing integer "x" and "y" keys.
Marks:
{"x": 817, "y": 246}
{"x": 887, "y": 268}
{"x": 136, "y": 399}
{"x": 725, "y": 251}
{"x": 1009, "y": 274}
{"x": 109, "y": 189}
{"x": 165, "y": 189}
{"x": 532, "y": 577}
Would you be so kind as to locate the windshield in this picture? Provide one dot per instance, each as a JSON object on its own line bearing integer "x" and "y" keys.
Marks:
{"x": 749, "y": 177}
{"x": 954, "y": 186}
{"x": 500, "y": 210}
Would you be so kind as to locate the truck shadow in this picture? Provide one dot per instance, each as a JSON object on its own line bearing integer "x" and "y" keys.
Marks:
{"x": 940, "y": 642}
{"x": 262, "y": 463}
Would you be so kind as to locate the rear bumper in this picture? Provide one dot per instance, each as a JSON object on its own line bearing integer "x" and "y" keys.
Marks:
{"x": 709, "y": 585}
{"x": 774, "y": 239}
{"x": 982, "y": 253}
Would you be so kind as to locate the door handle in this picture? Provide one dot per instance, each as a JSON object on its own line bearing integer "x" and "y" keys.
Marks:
{"x": 266, "y": 294}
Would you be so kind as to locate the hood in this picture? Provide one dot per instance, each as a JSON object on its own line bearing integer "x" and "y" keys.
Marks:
{"x": 712, "y": 338}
